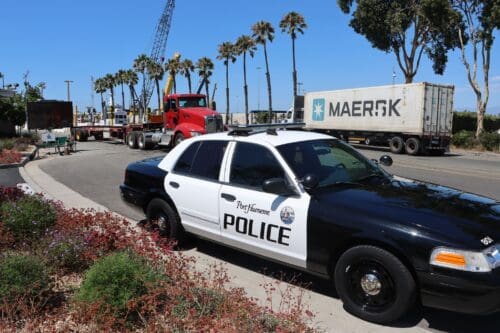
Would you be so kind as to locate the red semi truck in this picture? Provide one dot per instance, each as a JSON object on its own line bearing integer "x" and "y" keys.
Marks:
{"x": 185, "y": 116}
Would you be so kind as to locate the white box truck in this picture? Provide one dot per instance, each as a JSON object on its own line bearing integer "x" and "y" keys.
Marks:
{"x": 415, "y": 117}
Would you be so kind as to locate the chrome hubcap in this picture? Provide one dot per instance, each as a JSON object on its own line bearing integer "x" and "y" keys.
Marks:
{"x": 371, "y": 284}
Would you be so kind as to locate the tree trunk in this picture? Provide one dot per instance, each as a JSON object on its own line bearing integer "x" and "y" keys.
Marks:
{"x": 206, "y": 90}
{"x": 175, "y": 84}
{"x": 132, "y": 98}
{"x": 245, "y": 86}
{"x": 157, "y": 83}
{"x": 112, "y": 106}
{"x": 188, "y": 76}
{"x": 227, "y": 91}
{"x": 481, "y": 109}
{"x": 123, "y": 99}
{"x": 268, "y": 76}
{"x": 142, "y": 110}
{"x": 294, "y": 74}
{"x": 103, "y": 112}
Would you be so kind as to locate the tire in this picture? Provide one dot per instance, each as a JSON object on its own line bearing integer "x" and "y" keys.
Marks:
{"x": 161, "y": 212}
{"x": 392, "y": 291}
{"x": 397, "y": 145}
{"x": 368, "y": 141}
{"x": 179, "y": 137}
{"x": 80, "y": 136}
{"x": 141, "y": 141}
{"x": 412, "y": 146}
{"x": 132, "y": 140}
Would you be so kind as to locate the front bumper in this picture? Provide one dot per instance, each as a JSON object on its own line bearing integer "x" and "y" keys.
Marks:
{"x": 465, "y": 292}
{"x": 132, "y": 196}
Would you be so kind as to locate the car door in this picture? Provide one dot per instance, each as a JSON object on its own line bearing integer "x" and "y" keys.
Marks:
{"x": 268, "y": 224}
{"x": 194, "y": 187}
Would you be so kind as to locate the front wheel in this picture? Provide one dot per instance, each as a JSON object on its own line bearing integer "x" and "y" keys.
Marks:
{"x": 374, "y": 284}
{"x": 160, "y": 212}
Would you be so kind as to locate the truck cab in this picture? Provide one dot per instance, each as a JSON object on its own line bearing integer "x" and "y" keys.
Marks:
{"x": 184, "y": 116}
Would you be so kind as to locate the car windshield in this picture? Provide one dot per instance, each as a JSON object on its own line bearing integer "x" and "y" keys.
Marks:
{"x": 192, "y": 102}
{"x": 330, "y": 160}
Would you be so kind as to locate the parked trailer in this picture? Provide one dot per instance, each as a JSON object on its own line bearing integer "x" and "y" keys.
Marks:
{"x": 415, "y": 118}
{"x": 99, "y": 132}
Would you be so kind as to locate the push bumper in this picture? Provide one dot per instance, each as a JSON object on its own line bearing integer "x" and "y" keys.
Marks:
{"x": 465, "y": 292}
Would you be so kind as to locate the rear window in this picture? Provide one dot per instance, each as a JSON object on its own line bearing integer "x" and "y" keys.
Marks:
{"x": 202, "y": 159}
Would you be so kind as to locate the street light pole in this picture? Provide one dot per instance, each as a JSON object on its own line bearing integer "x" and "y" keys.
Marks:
{"x": 68, "y": 82}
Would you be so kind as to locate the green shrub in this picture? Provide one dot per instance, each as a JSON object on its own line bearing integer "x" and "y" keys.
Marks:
{"x": 116, "y": 279}
{"x": 467, "y": 121}
{"x": 464, "y": 139}
{"x": 64, "y": 251}
{"x": 6, "y": 144}
{"x": 22, "y": 277}
{"x": 28, "y": 218}
{"x": 490, "y": 140}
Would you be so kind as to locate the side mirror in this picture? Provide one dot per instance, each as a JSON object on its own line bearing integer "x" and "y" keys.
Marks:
{"x": 310, "y": 181}
{"x": 386, "y": 160}
{"x": 277, "y": 186}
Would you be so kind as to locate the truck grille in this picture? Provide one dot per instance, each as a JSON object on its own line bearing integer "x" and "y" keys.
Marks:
{"x": 214, "y": 124}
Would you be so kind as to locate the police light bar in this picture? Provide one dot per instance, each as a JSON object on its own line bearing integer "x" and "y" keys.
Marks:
{"x": 245, "y": 130}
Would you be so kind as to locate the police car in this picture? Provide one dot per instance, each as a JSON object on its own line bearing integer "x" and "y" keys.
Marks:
{"x": 312, "y": 202}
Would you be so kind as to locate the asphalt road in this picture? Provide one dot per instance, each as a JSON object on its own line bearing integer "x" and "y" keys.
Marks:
{"x": 10, "y": 177}
{"x": 98, "y": 168}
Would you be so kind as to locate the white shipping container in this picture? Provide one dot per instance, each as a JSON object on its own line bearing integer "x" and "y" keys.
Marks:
{"x": 412, "y": 109}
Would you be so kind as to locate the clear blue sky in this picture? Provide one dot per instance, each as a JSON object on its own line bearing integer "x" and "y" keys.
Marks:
{"x": 57, "y": 40}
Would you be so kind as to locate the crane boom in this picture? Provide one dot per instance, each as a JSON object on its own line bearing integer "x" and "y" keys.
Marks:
{"x": 159, "y": 45}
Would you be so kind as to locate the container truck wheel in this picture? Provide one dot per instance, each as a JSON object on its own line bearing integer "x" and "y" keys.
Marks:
{"x": 179, "y": 137}
{"x": 81, "y": 136}
{"x": 397, "y": 145}
{"x": 412, "y": 146}
{"x": 141, "y": 141}
{"x": 132, "y": 140}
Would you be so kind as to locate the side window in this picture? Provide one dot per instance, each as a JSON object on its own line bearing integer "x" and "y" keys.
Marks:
{"x": 185, "y": 162}
{"x": 252, "y": 164}
{"x": 208, "y": 159}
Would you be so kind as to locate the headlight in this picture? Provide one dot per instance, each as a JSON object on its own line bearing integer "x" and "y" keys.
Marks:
{"x": 470, "y": 261}
{"x": 195, "y": 133}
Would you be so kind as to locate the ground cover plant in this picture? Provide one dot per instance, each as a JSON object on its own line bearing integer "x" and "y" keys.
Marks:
{"x": 11, "y": 148}
{"x": 81, "y": 270}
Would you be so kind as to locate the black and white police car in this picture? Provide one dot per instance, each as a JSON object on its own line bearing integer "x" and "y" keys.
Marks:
{"x": 312, "y": 202}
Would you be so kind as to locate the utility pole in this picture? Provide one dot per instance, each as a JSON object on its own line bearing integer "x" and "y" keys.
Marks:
{"x": 3, "y": 80}
{"x": 68, "y": 82}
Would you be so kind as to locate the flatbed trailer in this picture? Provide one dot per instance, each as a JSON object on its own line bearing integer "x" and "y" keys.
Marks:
{"x": 99, "y": 132}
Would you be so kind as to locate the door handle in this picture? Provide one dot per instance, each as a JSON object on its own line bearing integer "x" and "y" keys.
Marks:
{"x": 228, "y": 197}
{"x": 174, "y": 184}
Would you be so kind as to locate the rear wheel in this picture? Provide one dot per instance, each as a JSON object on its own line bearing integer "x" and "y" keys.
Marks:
{"x": 81, "y": 135}
{"x": 160, "y": 212}
{"x": 141, "y": 141}
{"x": 374, "y": 284}
{"x": 132, "y": 140}
{"x": 412, "y": 146}
{"x": 397, "y": 145}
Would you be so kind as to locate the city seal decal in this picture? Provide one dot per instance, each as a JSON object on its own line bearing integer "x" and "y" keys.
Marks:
{"x": 287, "y": 215}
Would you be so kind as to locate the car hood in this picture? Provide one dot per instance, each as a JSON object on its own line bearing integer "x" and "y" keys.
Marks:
{"x": 438, "y": 212}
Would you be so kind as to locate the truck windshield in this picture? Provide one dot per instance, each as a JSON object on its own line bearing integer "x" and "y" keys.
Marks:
{"x": 192, "y": 102}
{"x": 331, "y": 161}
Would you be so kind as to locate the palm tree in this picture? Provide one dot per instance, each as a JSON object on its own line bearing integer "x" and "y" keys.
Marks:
{"x": 156, "y": 72}
{"x": 110, "y": 82}
{"x": 140, "y": 66}
{"x": 41, "y": 87}
{"x": 293, "y": 23}
{"x": 99, "y": 87}
{"x": 262, "y": 32}
{"x": 205, "y": 67}
{"x": 227, "y": 53}
{"x": 186, "y": 69}
{"x": 245, "y": 44}
{"x": 131, "y": 80}
{"x": 121, "y": 79}
{"x": 173, "y": 66}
